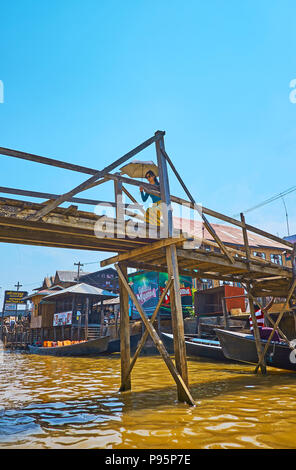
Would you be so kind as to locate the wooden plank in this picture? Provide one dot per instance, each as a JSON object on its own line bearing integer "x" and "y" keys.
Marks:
{"x": 158, "y": 268}
{"x": 238, "y": 264}
{"x": 85, "y": 184}
{"x": 159, "y": 344}
{"x": 46, "y": 161}
{"x": 41, "y": 195}
{"x": 138, "y": 252}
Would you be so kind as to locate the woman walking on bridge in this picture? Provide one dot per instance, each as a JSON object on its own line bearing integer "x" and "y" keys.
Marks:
{"x": 153, "y": 213}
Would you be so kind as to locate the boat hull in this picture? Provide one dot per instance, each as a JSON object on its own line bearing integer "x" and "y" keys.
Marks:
{"x": 242, "y": 347}
{"x": 196, "y": 347}
{"x": 88, "y": 348}
{"x": 114, "y": 344}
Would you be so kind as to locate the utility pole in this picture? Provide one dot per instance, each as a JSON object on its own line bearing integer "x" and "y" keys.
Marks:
{"x": 18, "y": 285}
{"x": 79, "y": 265}
{"x": 287, "y": 220}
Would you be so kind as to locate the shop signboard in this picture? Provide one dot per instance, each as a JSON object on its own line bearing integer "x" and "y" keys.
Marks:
{"x": 15, "y": 297}
{"x": 62, "y": 319}
{"x": 148, "y": 287}
{"x": 185, "y": 292}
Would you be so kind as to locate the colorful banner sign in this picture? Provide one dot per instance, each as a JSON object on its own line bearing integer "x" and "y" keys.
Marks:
{"x": 146, "y": 289}
{"x": 63, "y": 318}
{"x": 148, "y": 286}
{"x": 15, "y": 297}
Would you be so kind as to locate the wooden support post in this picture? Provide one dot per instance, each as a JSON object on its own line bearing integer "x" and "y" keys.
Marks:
{"x": 158, "y": 343}
{"x": 86, "y": 318}
{"x": 252, "y": 312}
{"x": 177, "y": 315}
{"x": 102, "y": 322}
{"x": 120, "y": 227}
{"x": 125, "y": 353}
{"x": 225, "y": 313}
{"x": 173, "y": 272}
{"x": 73, "y": 314}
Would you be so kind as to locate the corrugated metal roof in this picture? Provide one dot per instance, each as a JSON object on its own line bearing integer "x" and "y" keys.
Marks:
{"x": 291, "y": 238}
{"x": 83, "y": 289}
{"x": 68, "y": 276}
{"x": 42, "y": 292}
{"x": 226, "y": 233}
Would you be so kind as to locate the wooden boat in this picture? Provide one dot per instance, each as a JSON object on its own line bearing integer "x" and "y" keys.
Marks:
{"x": 92, "y": 347}
{"x": 114, "y": 344}
{"x": 197, "y": 347}
{"x": 242, "y": 347}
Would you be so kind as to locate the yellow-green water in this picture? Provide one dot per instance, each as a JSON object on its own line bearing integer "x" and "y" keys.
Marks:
{"x": 50, "y": 402}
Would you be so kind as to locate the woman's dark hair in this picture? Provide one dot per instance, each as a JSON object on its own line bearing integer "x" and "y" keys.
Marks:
{"x": 151, "y": 173}
{"x": 256, "y": 307}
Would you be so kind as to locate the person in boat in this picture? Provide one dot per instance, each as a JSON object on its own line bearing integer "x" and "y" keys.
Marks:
{"x": 264, "y": 331}
{"x": 153, "y": 214}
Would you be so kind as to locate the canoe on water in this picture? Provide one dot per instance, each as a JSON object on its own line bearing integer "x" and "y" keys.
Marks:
{"x": 197, "y": 347}
{"x": 242, "y": 347}
{"x": 92, "y": 347}
{"x": 114, "y": 344}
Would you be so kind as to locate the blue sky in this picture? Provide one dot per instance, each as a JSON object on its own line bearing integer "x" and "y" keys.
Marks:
{"x": 86, "y": 81}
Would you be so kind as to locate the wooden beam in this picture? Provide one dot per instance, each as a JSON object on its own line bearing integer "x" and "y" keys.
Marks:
{"x": 99, "y": 174}
{"x": 138, "y": 252}
{"x": 217, "y": 261}
{"x": 46, "y": 161}
{"x": 158, "y": 268}
{"x": 159, "y": 344}
{"x": 40, "y": 195}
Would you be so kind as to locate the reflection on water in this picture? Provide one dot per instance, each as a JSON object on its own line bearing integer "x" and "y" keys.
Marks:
{"x": 51, "y": 402}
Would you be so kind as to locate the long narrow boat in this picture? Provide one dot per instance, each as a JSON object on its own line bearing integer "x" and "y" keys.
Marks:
{"x": 114, "y": 344}
{"x": 197, "y": 347}
{"x": 242, "y": 347}
{"x": 92, "y": 347}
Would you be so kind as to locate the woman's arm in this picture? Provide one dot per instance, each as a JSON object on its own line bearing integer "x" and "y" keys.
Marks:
{"x": 144, "y": 196}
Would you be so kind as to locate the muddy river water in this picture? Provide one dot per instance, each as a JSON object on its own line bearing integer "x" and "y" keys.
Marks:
{"x": 50, "y": 402}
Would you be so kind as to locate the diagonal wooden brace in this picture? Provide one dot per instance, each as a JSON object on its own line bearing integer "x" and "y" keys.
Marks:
{"x": 158, "y": 343}
{"x": 146, "y": 333}
{"x": 290, "y": 293}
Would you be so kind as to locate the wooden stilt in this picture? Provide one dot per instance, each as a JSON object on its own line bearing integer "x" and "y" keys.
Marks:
{"x": 157, "y": 341}
{"x": 125, "y": 353}
{"x": 173, "y": 271}
{"x": 86, "y": 317}
{"x": 177, "y": 316}
{"x": 253, "y": 316}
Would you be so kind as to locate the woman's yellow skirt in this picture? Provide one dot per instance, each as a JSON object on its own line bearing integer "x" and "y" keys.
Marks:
{"x": 153, "y": 214}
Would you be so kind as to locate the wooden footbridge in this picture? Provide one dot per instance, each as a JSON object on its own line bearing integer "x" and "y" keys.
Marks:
{"x": 139, "y": 245}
